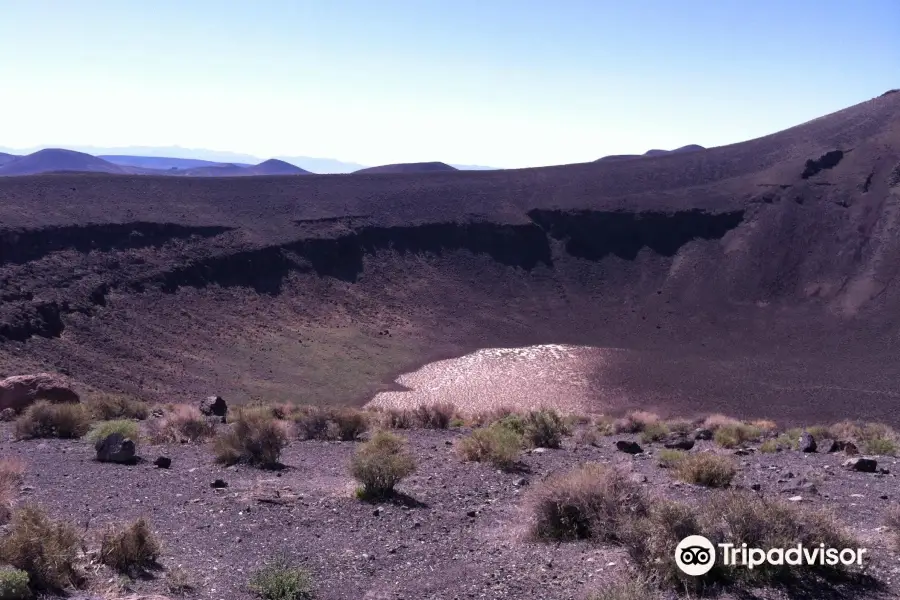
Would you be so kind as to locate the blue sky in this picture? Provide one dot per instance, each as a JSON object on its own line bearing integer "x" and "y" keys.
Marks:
{"x": 495, "y": 82}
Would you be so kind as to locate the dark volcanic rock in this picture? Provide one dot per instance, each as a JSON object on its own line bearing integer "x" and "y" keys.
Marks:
{"x": 20, "y": 391}
{"x": 116, "y": 448}
{"x": 679, "y": 443}
{"x": 163, "y": 462}
{"x": 703, "y": 434}
{"x": 628, "y": 447}
{"x": 214, "y": 406}
{"x": 807, "y": 443}
{"x": 864, "y": 465}
{"x": 219, "y": 484}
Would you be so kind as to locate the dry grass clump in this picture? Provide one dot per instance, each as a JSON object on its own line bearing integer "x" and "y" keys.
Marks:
{"x": 45, "y": 549}
{"x": 344, "y": 424}
{"x": 12, "y": 473}
{"x": 280, "y": 580}
{"x": 735, "y": 434}
{"x": 591, "y": 501}
{"x": 892, "y": 520}
{"x": 14, "y": 584}
{"x": 706, "y": 469}
{"x": 635, "y": 422}
{"x": 499, "y": 446}
{"x": 872, "y": 438}
{"x": 435, "y": 416}
{"x": 396, "y": 418}
{"x": 179, "y": 582}
{"x": 106, "y": 407}
{"x": 180, "y": 423}
{"x": 130, "y": 549}
{"x": 486, "y": 418}
{"x": 605, "y": 425}
{"x": 255, "y": 438}
{"x": 767, "y": 426}
{"x": 46, "y": 420}
{"x": 544, "y": 429}
{"x": 380, "y": 464}
{"x": 654, "y": 432}
{"x": 635, "y": 587}
{"x": 667, "y": 458}
{"x": 713, "y": 422}
{"x": 680, "y": 427}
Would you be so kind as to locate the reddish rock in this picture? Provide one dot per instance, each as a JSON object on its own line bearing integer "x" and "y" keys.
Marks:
{"x": 21, "y": 391}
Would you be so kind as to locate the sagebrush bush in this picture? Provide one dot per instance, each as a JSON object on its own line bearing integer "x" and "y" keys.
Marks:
{"x": 735, "y": 434}
{"x": 45, "y": 420}
{"x": 770, "y": 446}
{"x": 654, "y": 432}
{"x": 590, "y": 501}
{"x": 892, "y": 520}
{"x": 128, "y": 429}
{"x": 435, "y": 416}
{"x": 397, "y": 418}
{"x": 499, "y": 446}
{"x": 635, "y": 421}
{"x": 380, "y": 464}
{"x": 707, "y": 469}
{"x": 680, "y": 427}
{"x": 280, "y": 580}
{"x": 667, "y": 458}
{"x": 14, "y": 584}
{"x": 180, "y": 423}
{"x": 767, "y": 426}
{"x": 489, "y": 417}
{"x": 12, "y": 472}
{"x": 131, "y": 548}
{"x": 45, "y": 549}
{"x": 344, "y": 424}
{"x": 255, "y": 438}
{"x": 713, "y": 422}
{"x": 605, "y": 425}
{"x": 106, "y": 407}
{"x": 544, "y": 429}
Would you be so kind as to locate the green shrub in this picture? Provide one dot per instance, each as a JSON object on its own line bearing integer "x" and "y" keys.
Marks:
{"x": 544, "y": 429}
{"x": 706, "y": 469}
{"x": 133, "y": 548}
{"x": 667, "y": 458}
{"x": 128, "y": 429}
{"x": 380, "y": 464}
{"x": 255, "y": 438}
{"x": 590, "y": 501}
{"x": 280, "y": 580}
{"x": 14, "y": 584}
{"x": 497, "y": 445}
{"x": 106, "y": 407}
{"x": 45, "y": 420}
{"x": 770, "y": 446}
{"x": 881, "y": 447}
{"x": 45, "y": 549}
{"x": 654, "y": 432}
{"x": 736, "y": 434}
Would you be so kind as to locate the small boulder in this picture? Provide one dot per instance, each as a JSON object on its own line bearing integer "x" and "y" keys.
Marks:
{"x": 807, "y": 443}
{"x": 116, "y": 448}
{"x": 219, "y": 484}
{"x": 679, "y": 443}
{"x": 628, "y": 447}
{"x": 21, "y": 391}
{"x": 863, "y": 465}
{"x": 703, "y": 434}
{"x": 214, "y": 406}
{"x": 163, "y": 462}
{"x": 7, "y": 415}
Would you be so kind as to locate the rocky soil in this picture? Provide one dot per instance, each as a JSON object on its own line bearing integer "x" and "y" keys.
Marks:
{"x": 457, "y": 532}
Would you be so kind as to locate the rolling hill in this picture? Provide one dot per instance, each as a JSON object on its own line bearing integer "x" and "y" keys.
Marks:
{"x": 54, "y": 160}
{"x": 162, "y": 162}
{"x": 758, "y": 279}
{"x": 421, "y": 167}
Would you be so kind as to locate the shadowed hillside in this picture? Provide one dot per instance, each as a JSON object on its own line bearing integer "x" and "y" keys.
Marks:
{"x": 736, "y": 278}
{"x": 422, "y": 167}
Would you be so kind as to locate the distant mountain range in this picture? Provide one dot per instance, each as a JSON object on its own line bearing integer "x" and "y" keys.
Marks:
{"x": 160, "y": 157}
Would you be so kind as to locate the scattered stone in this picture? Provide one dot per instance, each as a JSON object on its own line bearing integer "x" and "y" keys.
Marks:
{"x": 472, "y": 514}
{"x": 377, "y": 511}
{"x": 538, "y": 450}
{"x": 755, "y": 487}
{"x": 521, "y": 482}
{"x": 743, "y": 452}
{"x": 163, "y": 462}
{"x": 884, "y": 471}
{"x": 115, "y": 448}
{"x": 638, "y": 478}
{"x": 807, "y": 442}
{"x": 214, "y": 406}
{"x": 219, "y": 484}
{"x": 679, "y": 443}
{"x": 7, "y": 415}
{"x": 795, "y": 498}
{"x": 21, "y": 391}
{"x": 628, "y": 447}
{"x": 863, "y": 465}
{"x": 703, "y": 434}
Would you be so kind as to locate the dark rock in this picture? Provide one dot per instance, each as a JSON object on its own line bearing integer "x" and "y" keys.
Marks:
{"x": 115, "y": 448}
{"x": 743, "y": 451}
{"x": 521, "y": 482}
{"x": 219, "y": 484}
{"x": 214, "y": 406}
{"x": 807, "y": 443}
{"x": 7, "y": 415}
{"x": 850, "y": 448}
{"x": 863, "y": 465}
{"x": 163, "y": 462}
{"x": 703, "y": 434}
{"x": 628, "y": 447}
{"x": 376, "y": 511}
{"x": 679, "y": 443}
{"x": 755, "y": 487}
{"x": 472, "y": 514}
{"x": 842, "y": 446}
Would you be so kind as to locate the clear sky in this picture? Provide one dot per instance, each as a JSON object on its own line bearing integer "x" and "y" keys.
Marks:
{"x": 506, "y": 83}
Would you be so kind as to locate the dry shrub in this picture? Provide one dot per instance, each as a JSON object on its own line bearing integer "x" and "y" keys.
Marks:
{"x": 255, "y": 438}
{"x": 706, "y": 469}
{"x": 635, "y": 587}
{"x": 396, "y": 418}
{"x": 486, "y": 418}
{"x": 380, "y": 464}
{"x": 846, "y": 431}
{"x": 667, "y": 458}
{"x": 179, "y": 582}
{"x": 735, "y": 434}
{"x": 499, "y": 446}
{"x": 544, "y": 429}
{"x": 180, "y": 423}
{"x": 767, "y": 426}
{"x": 345, "y": 424}
{"x": 45, "y": 549}
{"x": 713, "y": 422}
{"x": 280, "y": 580}
{"x": 655, "y": 432}
{"x": 605, "y": 425}
{"x": 106, "y": 407}
{"x": 680, "y": 427}
{"x": 435, "y": 416}
{"x": 12, "y": 473}
{"x": 892, "y": 520}
{"x": 45, "y": 420}
{"x": 130, "y": 549}
{"x": 591, "y": 501}
{"x": 635, "y": 421}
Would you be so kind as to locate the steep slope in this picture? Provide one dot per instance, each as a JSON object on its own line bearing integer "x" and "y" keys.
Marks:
{"x": 758, "y": 278}
{"x": 422, "y": 167}
{"x": 54, "y": 160}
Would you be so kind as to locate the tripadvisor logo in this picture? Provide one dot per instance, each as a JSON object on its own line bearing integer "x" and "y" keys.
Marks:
{"x": 695, "y": 555}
